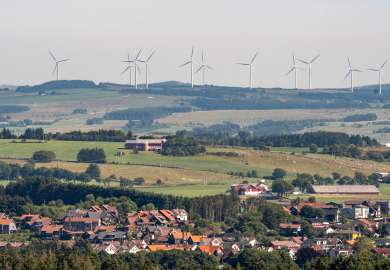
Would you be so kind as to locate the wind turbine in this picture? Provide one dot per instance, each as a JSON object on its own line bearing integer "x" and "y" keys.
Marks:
{"x": 57, "y": 64}
{"x": 203, "y": 67}
{"x": 136, "y": 67}
{"x": 350, "y": 73}
{"x": 146, "y": 62}
{"x": 129, "y": 67}
{"x": 295, "y": 69}
{"x": 250, "y": 64}
{"x": 191, "y": 63}
{"x": 309, "y": 63}
{"x": 379, "y": 70}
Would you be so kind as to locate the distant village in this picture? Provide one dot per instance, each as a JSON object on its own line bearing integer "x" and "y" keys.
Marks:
{"x": 336, "y": 230}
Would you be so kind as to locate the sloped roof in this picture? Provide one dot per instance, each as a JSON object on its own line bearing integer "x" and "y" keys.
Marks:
{"x": 346, "y": 189}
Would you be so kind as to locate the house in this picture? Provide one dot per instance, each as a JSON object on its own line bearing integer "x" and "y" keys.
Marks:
{"x": 345, "y": 234}
{"x": 325, "y": 244}
{"x": 51, "y": 232}
{"x": 211, "y": 250}
{"x": 82, "y": 224}
{"x": 359, "y": 211}
{"x": 331, "y": 212}
{"x": 346, "y": 189}
{"x": 383, "y": 250}
{"x": 109, "y": 236}
{"x": 110, "y": 248}
{"x": 180, "y": 214}
{"x": 289, "y": 228}
{"x": 145, "y": 144}
{"x": 107, "y": 213}
{"x": 7, "y": 225}
{"x": 178, "y": 237}
{"x": 289, "y": 245}
{"x": 249, "y": 189}
{"x": 340, "y": 251}
{"x": 384, "y": 206}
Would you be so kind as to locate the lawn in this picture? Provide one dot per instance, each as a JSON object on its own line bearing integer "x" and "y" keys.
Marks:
{"x": 384, "y": 195}
{"x": 248, "y": 159}
{"x": 189, "y": 190}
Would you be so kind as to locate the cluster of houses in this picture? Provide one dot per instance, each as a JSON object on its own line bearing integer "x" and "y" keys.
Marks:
{"x": 336, "y": 230}
{"x": 339, "y": 227}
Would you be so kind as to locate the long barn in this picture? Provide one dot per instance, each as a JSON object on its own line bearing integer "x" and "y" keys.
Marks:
{"x": 346, "y": 189}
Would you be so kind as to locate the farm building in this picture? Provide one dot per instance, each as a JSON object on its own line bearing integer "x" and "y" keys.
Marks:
{"x": 145, "y": 144}
{"x": 346, "y": 189}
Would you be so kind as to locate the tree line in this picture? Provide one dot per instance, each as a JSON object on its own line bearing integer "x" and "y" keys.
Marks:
{"x": 99, "y": 135}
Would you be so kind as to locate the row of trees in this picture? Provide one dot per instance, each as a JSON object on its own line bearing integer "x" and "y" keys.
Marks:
{"x": 182, "y": 146}
{"x": 18, "y": 172}
{"x": 245, "y": 138}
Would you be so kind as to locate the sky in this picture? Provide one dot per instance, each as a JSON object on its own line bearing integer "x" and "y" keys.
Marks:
{"x": 98, "y": 34}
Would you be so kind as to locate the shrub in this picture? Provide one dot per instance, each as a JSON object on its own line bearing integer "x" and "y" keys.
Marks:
{"x": 43, "y": 156}
{"x": 94, "y": 155}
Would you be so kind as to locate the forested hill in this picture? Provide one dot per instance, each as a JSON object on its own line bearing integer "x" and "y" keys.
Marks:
{"x": 56, "y": 85}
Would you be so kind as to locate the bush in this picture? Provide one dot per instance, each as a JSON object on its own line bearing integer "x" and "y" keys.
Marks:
{"x": 279, "y": 173}
{"x": 43, "y": 156}
{"x": 94, "y": 155}
{"x": 93, "y": 170}
{"x": 182, "y": 146}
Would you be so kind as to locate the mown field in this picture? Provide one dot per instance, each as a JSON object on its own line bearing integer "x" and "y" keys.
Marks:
{"x": 189, "y": 176}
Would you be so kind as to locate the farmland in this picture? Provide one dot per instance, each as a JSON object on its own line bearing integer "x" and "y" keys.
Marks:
{"x": 191, "y": 169}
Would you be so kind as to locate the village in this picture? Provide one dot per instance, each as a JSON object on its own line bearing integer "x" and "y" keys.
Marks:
{"x": 331, "y": 228}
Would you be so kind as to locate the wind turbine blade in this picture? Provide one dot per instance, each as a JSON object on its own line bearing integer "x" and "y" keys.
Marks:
{"x": 209, "y": 67}
{"x": 139, "y": 69}
{"x": 202, "y": 58}
{"x": 199, "y": 69}
{"x": 349, "y": 63}
{"x": 294, "y": 61}
{"x": 150, "y": 56}
{"x": 291, "y": 70}
{"x": 55, "y": 68}
{"x": 384, "y": 64}
{"x": 373, "y": 69}
{"x": 303, "y": 61}
{"x": 254, "y": 58}
{"x": 346, "y": 76}
{"x": 52, "y": 56}
{"x": 243, "y": 64}
{"x": 138, "y": 54}
{"x": 314, "y": 59}
{"x": 126, "y": 69}
{"x": 192, "y": 52}
{"x": 64, "y": 60}
{"x": 186, "y": 63}
{"x": 357, "y": 70}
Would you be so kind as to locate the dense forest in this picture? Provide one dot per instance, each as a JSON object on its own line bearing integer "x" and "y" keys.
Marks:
{"x": 182, "y": 146}
{"x": 13, "y": 108}
{"x": 42, "y": 189}
{"x": 144, "y": 114}
{"x": 245, "y": 138}
{"x": 54, "y": 85}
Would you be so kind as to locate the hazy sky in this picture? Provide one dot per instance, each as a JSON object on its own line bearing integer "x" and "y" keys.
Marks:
{"x": 97, "y": 34}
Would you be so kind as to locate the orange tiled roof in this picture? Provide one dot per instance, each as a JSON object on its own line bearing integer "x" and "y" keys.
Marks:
{"x": 181, "y": 235}
{"x": 209, "y": 249}
{"x": 5, "y": 221}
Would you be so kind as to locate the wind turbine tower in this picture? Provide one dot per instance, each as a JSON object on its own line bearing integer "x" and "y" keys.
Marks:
{"x": 203, "y": 68}
{"x": 191, "y": 63}
{"x": 309, "y": 63}
{"x": 250, "y": 65}
{"x": 128, "y": 68}
{"x": 146, "y": 62}
{"x": 57, "y": 64}
{"x": 379, "y": 71}
{"x": 350, "y": 73}
{"x": 295, "y": 69}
